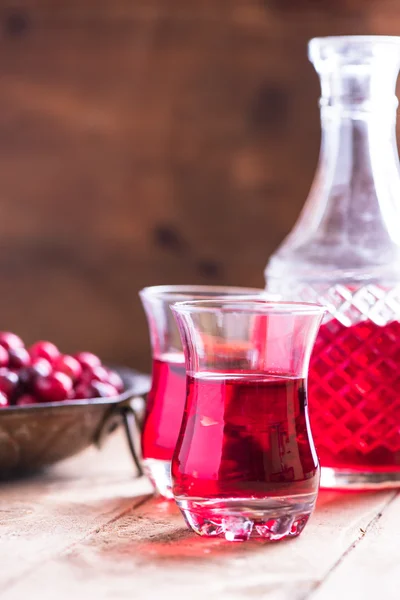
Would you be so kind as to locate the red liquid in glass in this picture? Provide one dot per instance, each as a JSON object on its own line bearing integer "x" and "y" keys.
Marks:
{"x": 164, "y": 410}
{"x": 244, "y": 435}
{"x": 354, "y": 390}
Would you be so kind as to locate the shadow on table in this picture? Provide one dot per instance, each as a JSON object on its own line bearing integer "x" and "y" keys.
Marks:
{"x": 168, "y": 538}
{"x": 155, "y": 531}
{"x": 148, "y": 530}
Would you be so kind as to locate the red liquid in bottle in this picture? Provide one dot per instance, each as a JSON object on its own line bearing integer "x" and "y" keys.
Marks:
{"x": 354, "y": 390}
{"x": 164, "y": 410}
{"x": 244, "y": 436}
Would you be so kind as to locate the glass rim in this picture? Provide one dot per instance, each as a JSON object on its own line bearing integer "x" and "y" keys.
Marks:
{"x": 256, "y": 306}
{"x": 179, "y": 292}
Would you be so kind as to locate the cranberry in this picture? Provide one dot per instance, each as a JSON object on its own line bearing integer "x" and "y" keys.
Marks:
{"x": 115, "y": 380}
{"x": 3, "y": 400}
{"x": 45, "y": 350}
{"x": 8, "y": 382}
{"x": 103, "y": 390}
{"x": 69, "y": 365}
{"x": 26, "y": 400}
{"x": 18, "y": 358}
{"x": 27, "y": 376}
{"x": 87, "y": 360}
{"x": 98, "y": 373}
{"x": 54, "y": 387}
{"x": 84, "y": 391}
{"x": 41, "y": 366}
{"x": 10, "y": 340}
{"x": 3, "y": 357}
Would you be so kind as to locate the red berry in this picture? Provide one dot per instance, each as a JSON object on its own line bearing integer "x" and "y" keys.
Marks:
{"x": 43, "y": 349}
{"x": 10, "y": 340}
{"x": 115, "y": 380}
{"x": 103, "y": 390}
{"x": 27, "y": 375}
{"x": 87, "y": 360}
{"x": 8, "y": 382}
{"x": 41, "y": 366}
{"x": 98, "y": 373}
{"x": 3, "y": 357}
{"x": 18, "y": 358}
{"x": 83, "y": 391}
{"x": 54, "y": 387}
{"x": 3, "y": 400}
{"x": 26, "y": 400}
{"x": 69, "y": 365}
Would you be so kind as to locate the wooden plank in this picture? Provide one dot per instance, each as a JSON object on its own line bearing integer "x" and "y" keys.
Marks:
{"x": 43, "y": 515}
{"x": 371, "y": 569}
{"x": 151, "y": 548}
{"x": 118, "y": 549}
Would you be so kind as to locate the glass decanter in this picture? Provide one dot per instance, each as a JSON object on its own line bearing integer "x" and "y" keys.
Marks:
{"x": 344, "y": 253}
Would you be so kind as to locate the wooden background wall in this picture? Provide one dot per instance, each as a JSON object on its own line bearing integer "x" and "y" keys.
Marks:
{"x": 147, "y": 142}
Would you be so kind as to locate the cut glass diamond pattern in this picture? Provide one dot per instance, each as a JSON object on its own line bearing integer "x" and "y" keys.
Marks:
{"x": 354, "y": 384}
{"x": 354, "y": 380}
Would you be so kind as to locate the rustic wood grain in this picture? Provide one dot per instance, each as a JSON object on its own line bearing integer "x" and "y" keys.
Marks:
{"x": 44, "y": 515}
{"x": 151, "y": 142}
{"x": 87, "y": 529}
{"x": 372, "y": 569}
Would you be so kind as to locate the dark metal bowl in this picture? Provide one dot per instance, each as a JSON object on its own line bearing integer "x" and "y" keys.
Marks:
{"x": 38, "y": 435}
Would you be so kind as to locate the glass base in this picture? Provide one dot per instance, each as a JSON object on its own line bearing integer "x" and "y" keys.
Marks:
{"x": 159, "y": 473}
{"x": 359, "y": 480}
{"x": 239, "y": 519}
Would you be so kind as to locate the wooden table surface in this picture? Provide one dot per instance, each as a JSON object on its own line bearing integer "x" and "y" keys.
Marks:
{"x": 87, "y": 529}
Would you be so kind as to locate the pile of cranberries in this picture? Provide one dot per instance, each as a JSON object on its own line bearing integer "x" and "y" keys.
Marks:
{"x": 42, "y": 374}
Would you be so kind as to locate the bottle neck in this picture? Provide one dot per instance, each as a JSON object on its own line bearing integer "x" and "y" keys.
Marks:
{"x": 358, "y": 118}
{"x": 366, "y": 87}
{"x": 358, "y": 150}
{"x": 348, "y": 229}
{"x": 350, "y": 220}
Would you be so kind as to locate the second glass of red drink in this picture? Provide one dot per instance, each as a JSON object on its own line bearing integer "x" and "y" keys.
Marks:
{"x": 166, "y": 399}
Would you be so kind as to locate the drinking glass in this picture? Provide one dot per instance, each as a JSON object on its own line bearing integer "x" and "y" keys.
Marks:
{"x": 245, "y": 463}
{"x": 167, "y": 395}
